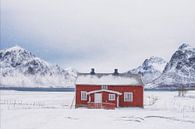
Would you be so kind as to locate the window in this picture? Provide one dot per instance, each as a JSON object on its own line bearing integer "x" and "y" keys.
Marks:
{"x": 104, "y": 87}
{"x": 111, "y": 97}
{"x": 83, "y": 95}
{"x": 128, "y": 96}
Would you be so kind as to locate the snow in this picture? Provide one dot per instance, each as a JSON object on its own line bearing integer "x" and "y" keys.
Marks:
{"x": 15, "y": 48}
{"x": 179, "y": 70}
{"x": 186, "y": 46}
{"x": 20, "y": 68}
{"x": 151, "y": 69}
{"x": 20, "y": 80}
{"x": 108, "y": 79}
{"x": 53, "y": 110}
{"x": 156, "y": 63}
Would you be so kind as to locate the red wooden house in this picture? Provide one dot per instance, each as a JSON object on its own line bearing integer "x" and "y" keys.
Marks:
{"x": 109, "y": 90}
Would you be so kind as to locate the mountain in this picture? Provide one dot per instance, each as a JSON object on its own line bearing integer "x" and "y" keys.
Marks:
{"x": 180, "y": 70}
{"x": 151, "y": 69}
{"x": 21, "y": 68}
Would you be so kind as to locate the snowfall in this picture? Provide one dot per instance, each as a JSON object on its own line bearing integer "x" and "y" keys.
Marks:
{"x": 55, "y": 110}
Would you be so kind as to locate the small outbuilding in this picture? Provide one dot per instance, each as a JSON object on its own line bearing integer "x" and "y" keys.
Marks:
{"x": 109, "y": 90}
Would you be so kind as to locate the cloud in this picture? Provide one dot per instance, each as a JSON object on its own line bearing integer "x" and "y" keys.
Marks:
{"x": 99, "y": 33}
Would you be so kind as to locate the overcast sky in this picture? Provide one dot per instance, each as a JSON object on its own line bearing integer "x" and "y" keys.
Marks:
{"x": 104, "y": 34}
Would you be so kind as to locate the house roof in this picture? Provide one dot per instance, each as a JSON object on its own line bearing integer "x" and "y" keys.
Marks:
{"x": 109, "y": 79}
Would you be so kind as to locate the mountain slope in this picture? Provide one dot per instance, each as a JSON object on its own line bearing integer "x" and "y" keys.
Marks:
{"x": 151, "y": 69}
{"x": 179, "y": 70}
{"x": 19, "y": 67}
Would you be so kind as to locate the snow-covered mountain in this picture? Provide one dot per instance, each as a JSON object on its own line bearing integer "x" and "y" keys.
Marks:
{"x": 179, "y": 70}
{"x": 20, "y": 68}
{"x": 151, "y": 69}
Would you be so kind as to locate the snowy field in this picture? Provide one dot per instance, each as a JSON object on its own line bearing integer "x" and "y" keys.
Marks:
{"x": 53, "y": 110}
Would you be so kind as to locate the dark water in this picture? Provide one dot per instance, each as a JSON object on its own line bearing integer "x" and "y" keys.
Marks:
{"x": 39, "y": 89}
{"x": 73, "y": 89}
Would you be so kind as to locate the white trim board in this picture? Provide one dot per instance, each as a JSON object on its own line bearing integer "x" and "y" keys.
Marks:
{"x": 104, "y": 90}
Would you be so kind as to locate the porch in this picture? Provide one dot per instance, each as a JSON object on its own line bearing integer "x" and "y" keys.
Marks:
{"x": 102, "y": 105}
{"x": 103, "y": 99}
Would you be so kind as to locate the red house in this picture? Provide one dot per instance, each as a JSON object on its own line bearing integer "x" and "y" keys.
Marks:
{"x": 109, "y": 90}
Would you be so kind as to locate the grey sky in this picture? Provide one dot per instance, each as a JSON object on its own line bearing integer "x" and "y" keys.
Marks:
{"x": 104, "y": 34}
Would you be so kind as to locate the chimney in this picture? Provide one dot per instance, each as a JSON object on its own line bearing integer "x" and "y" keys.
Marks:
{"x": 116, "y": 72}
{"x": 92, "y": 71}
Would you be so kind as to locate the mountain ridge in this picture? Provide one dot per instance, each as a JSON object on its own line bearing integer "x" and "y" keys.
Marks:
{"x": 150, "y": 69}
{"x": 20, "y": 67}
{"x": 180, "y": 70}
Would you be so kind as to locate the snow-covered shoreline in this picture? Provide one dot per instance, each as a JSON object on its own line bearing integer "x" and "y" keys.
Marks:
{"x": 55, "y": 110}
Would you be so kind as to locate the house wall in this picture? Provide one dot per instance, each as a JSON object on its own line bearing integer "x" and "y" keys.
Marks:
{"x": 79, "y": 88}
{"x": 137, "y": 95}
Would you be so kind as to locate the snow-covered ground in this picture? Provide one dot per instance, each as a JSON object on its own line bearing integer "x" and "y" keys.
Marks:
{"x": 53, "y": 110}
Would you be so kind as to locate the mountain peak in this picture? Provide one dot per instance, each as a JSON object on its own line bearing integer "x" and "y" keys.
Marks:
{"x": 15, "y": 48}
{"x": 185, "y": 46}
{"x": 20, "y": 67}
{"x": 154, "y": 59}
{"x": 15, "y": 53}
{"x": 180, "y": 69}
{"x": 150, "y": 69}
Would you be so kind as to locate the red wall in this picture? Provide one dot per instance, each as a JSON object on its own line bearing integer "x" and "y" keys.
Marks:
{"x": 137, "y": 95}
{"x": 105, "y": 98}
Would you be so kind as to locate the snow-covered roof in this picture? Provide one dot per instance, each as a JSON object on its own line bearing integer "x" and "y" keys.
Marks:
{"x": 109, "y": 79}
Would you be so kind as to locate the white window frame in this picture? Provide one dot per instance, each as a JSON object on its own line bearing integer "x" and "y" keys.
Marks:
{"x": 111, "y": 97}
{"x": 104, "y": 87}
{"x": 83, "y": 95}
{"x": 128, "y": 96}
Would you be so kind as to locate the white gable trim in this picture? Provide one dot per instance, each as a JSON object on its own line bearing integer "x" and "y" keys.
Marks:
{"x": 104, "y": 90}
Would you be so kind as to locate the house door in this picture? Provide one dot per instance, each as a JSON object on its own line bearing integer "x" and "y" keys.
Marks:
{"x": 98, "y": 98}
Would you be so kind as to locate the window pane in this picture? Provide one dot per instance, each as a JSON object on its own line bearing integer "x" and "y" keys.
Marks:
{"x": 128, "y": 96}
{"x": 104, "y": 87}
{"x": 83, "y": 95}
{"x": 111, "y": 97}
